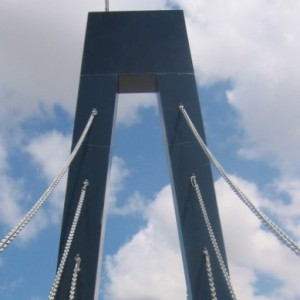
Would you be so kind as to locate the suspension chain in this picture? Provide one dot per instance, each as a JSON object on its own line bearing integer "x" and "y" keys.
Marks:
{"x": 68, "y": 244}
{"x": 75, "y": 277}
{"x": 27, "y": 218}
{"x": 279, "y": 233}
{"x": 212, "y": 237}
{"x": 210, "y": 276}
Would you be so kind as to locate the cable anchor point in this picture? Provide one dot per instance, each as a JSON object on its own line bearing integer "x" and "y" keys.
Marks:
{"x": 181, "y": 107}
{"x": 94, "y": 112}
{"x": 78, "y": 262}
{"x": 85, "y": 184}
{"x": 193, "y": 180}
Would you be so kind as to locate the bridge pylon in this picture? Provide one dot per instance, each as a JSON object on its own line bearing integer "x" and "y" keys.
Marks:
{"x": 139, "y": 52}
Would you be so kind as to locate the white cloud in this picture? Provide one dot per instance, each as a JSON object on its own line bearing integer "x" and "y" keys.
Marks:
{"x": 41, "y": 53}
{"x": 251, "y": 251}
{"x": 3, "y": 157}
{"x": 42, "y": 44}
{"x": 149, "y": 265}
{"x": 129, "y": 106}
{"x": 136, "y": 203}
{"x": 137, "y": 4}
{"x": 49, "y": 152}
{"x": 10, "y": 193}
{"x": 10, "y": 201}
{"x": 254, "y": 44}
{"x": 37, "y": 224}
{"x": 286, "y": 211}
{"x": 118, "y": 174}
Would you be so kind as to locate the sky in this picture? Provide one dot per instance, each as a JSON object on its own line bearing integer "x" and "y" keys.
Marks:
{"x": 247, "y": 66}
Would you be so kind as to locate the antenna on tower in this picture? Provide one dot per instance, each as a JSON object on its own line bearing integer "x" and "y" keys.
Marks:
{"x": 106, "y": 5}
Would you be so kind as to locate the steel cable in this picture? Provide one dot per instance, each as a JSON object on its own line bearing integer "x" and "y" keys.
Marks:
{"x": 279, "y": 233}
{"x": 31, "y": 213}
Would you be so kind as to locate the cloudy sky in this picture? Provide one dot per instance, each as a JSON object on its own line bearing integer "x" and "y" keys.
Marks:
{"x": 246, "y": 59}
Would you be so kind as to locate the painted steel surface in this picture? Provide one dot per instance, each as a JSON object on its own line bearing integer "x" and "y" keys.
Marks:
{"x": 140, "y": 52}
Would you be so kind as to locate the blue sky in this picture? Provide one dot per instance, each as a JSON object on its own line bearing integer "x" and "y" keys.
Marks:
{"x": 245, "y": 55}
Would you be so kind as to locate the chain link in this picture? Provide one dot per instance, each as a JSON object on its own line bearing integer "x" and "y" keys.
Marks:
{"x": 210, "y": 276}
{"x": 68, "y": 244}
{"x": 27, "y": 218}
{"x": 75, "y": 277}
{"x": 279, "y": 233}
{"x": 212, "y": 237}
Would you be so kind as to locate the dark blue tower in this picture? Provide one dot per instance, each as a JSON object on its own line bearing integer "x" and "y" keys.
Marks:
{"x": 132, "y": 52}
